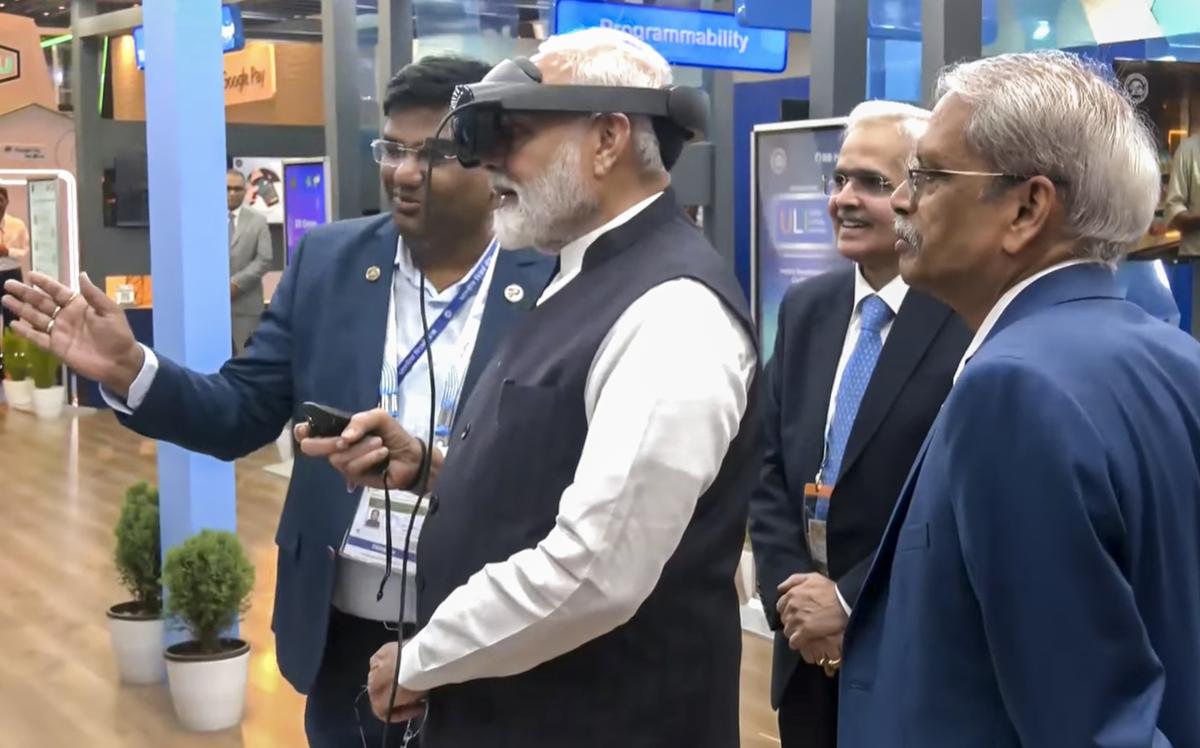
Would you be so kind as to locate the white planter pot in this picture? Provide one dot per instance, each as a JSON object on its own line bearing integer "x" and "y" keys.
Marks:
{"x": 19, "y": 395}
{"x": 137, "y": 642}
{"x": 48, "y": 403}
{"x": 208, "y": 691}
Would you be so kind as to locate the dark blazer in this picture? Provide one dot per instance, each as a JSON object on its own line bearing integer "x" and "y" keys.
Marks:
{"x": 1039, "y": 582}
{"x": 910, "y": 382}
{"x": 322, "y": 339}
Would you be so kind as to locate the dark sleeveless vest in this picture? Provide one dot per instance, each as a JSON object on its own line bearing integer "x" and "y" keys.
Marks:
{"x": 669, "y": 676}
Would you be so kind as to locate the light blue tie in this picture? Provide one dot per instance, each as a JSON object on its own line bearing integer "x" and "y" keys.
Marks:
{"x": 875, "y": 314}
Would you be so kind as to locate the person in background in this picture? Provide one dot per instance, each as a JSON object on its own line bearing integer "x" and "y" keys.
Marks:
{"x": 14, "y": 235}
{"x": 1181, "y": 210}
{"x": 249, "y": 259}
{"x": 1039, "y": 581}
{"x": 576, "y": 568}
{"x": 862, "y": 363}
{"x": 353, "y": 287}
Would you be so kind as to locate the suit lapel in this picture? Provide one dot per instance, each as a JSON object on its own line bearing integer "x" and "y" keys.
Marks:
{"x": 821, "y": 360}
{"x": 366, "y": 338}
{"x": 524, "y": 269}
{"x": 914, "y": 330}
{"x": 881, "y": 565}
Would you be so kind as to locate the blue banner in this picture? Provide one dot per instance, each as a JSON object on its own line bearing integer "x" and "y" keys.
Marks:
{"x": 684, "y": 37}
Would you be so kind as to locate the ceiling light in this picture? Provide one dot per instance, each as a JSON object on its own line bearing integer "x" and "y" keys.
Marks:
{"x": 1042, "y": 31}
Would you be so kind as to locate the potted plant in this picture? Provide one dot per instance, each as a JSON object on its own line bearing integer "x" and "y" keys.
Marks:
{"x": 135, "y": 627}
{"x": 208, "y": 581}
{"x": 47, "y": 392}
{"x": 18, "y": 389}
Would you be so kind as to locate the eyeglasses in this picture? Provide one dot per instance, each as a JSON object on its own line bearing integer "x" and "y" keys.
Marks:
{"x": 919, "y": 178}
{"x": 393, "y": 154}
{"x": 866, "y": 183}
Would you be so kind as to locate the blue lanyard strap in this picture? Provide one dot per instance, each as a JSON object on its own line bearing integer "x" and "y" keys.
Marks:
{"x": 465, "y": 292}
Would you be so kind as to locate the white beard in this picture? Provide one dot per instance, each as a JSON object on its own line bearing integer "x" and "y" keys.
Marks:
{"x": 548, "y": 209}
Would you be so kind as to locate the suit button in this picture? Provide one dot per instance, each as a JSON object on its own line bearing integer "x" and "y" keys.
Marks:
{"x": 466, "y": 430}
{"x": 331, "y": 552}
{"x": 434, "y": 503}
{"x": 420, "y": 584}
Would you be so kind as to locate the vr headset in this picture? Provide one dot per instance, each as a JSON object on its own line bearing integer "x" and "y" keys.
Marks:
{"x": 477, "y": 110}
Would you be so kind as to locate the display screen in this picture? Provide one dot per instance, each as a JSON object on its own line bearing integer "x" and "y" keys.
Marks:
{"x": 233, "y": 36}
{"x": 794, "y": 236}
{"x": 304, "y": 202}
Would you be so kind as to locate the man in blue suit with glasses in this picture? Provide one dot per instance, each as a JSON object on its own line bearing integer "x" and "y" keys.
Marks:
{"x": 340, "y": 331}
{"x": 1039, "y": 581}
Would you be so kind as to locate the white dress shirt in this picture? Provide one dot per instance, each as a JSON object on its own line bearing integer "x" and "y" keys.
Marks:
{"x": 357, "y": 583}
{"x": 993, "y": 316}
{"x": 664, "y": 398}
{"x": 893, "y": 295}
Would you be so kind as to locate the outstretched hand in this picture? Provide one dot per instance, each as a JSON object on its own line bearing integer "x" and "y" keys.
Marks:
{"x": 86, "y": 329}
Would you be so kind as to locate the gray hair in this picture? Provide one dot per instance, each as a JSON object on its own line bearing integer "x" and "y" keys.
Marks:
{"x": 1053, "y": 114}
{"x": 911, "y": 121}
{"x": 608, "y": 57}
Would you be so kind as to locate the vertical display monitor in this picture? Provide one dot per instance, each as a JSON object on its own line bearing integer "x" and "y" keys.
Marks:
{"x": 792, "y": 235}
{"x": 305, "y": 201}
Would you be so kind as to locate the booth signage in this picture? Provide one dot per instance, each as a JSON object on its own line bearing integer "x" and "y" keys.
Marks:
{"x": 10, "y": 64}
{"x": 684, "y": 37}
{"x": 250, "y": 74}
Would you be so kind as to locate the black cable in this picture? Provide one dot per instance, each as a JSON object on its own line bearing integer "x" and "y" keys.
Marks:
{"x": 422, "y": 485}
{"x": 426, "y": 464}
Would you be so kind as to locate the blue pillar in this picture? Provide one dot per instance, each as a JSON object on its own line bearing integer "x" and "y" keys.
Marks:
{"x": 189, "y": 259}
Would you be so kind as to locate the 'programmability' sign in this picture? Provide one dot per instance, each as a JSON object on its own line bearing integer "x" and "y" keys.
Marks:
{"x": 684, "y": 37}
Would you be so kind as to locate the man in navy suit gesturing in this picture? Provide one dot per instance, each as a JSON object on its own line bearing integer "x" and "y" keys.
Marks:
{"x": 340, "y": 331}
{"x": 1039, "y": 581}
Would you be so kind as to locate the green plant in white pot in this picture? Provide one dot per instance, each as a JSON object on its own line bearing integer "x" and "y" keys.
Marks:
{"x": 135, "y": 627}
{"x": 48, "y": 395}
{"x": 208, "y": 581}
{"x": 18, "y": 387}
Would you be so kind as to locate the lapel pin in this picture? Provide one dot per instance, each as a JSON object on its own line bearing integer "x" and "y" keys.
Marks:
{"x": 514, "y": 293}
{"x": 373, "y": 273}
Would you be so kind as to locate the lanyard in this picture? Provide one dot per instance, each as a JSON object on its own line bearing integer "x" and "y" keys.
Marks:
{"x": 393, "y": 375}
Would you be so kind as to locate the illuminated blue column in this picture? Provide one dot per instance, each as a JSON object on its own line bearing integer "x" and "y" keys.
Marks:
{"x": 189, "y": 260}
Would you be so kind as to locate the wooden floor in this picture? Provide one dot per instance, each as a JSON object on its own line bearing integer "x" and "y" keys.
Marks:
{"x": 61, "y": 483}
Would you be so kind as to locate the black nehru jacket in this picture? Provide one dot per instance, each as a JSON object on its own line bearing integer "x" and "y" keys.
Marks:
{"x": 668, "y": 676}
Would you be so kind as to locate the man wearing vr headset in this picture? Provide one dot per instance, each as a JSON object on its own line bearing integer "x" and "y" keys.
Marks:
{"x": 346, "y": 310}
{"x": 576, "y": 570}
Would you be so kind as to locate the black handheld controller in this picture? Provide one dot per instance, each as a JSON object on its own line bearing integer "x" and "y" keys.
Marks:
{"x": 323, "y": 421}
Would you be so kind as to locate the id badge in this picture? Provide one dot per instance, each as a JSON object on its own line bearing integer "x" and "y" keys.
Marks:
{"x": 816, "y": 513}
{"x": 367, "y": 539}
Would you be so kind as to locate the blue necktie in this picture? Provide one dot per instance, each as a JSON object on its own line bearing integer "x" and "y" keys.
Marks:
{"x": 855, "y": 378}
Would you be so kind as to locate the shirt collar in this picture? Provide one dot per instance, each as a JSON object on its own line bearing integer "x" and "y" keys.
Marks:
{"x": 236, "y": 212}
{"x": 406, "y": 269}
{"x": 892, "y": 294}
{"x": 571, "y": 256}
{"x": 993, "y": 316}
